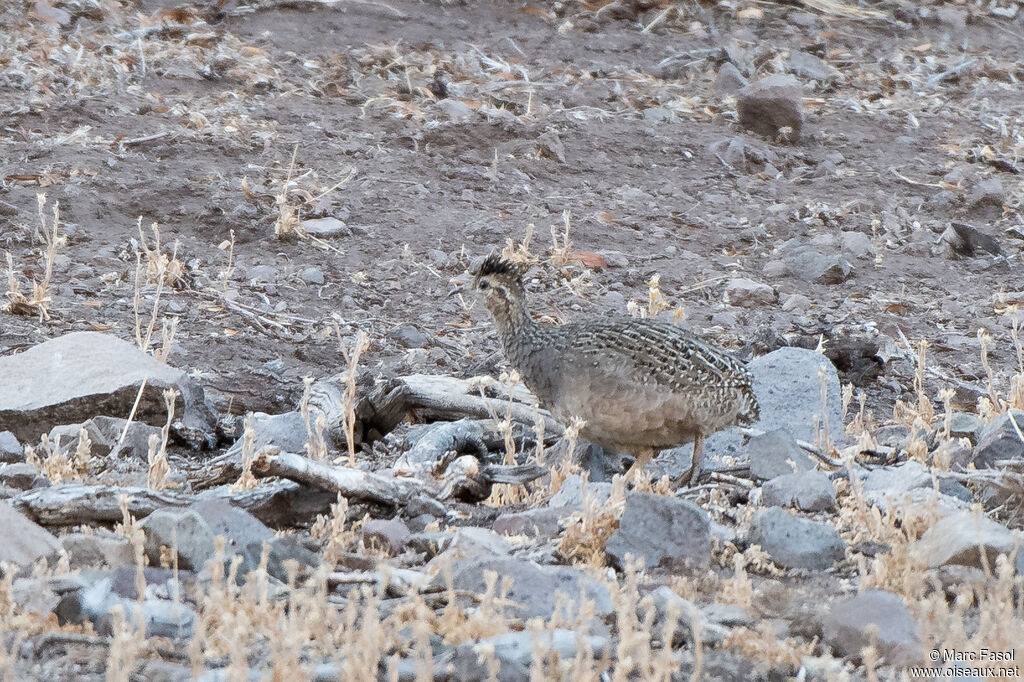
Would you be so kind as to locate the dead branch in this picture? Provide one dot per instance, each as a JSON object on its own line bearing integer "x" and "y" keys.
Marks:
{"x": 74, "y": 504}
{"x": 353, "y": 483}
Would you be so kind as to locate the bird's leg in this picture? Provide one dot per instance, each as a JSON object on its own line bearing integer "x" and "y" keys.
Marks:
{"x": 639, "y": 460}
{"x": 697, "y": 460}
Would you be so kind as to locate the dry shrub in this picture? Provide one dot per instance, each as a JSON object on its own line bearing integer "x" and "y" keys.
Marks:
{"x": 38, "y": 302}
{"x": 587, "y": 531}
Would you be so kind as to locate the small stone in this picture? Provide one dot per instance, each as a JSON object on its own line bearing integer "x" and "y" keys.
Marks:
{"x": 515, "y": 653}
{"x": 388, "y": 535}
{"x": 794, "y": 542}
{"x": 19, "y": 476}
{"x": 324, "y": 227}
{"x": 771, "y": 455}
{"x": 858, "y": 245}
{"x": 658, "y": 115}
{"x": 729, "y": 80}
{"x": 22, "y": 541}
{"x": 542, "y": 522}
{"x": 807, "y": 491}
{"x": 807, "y": 65}
{"x": 746, "y": 292}
{"x": 966, "y": 425}
{"x": 571, "y": 493}
{"x": 768, "y": 105}
{"x": 10, "y": 448}
{"x": 796, "y": 303}
{"x": 312, "y": 275}
{"x": 455, "y": 110}
{"x": 661, "y": 531}
{"x": 960, "y": 538}
{"x": 894, "y": 480}
{"x": 100, "y": 548}
{"x": 711, "y": 632}
{"x": 409, "y": 337}
{"x": 874, "y": 617}
{"x": 998, "y": 440}
{"x": 810, "y": 263}
{"x": 183, "y": 529}
{"x": 421, "y": 504}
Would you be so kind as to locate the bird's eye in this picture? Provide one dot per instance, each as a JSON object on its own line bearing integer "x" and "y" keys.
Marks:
{"x": 484, "y": 285}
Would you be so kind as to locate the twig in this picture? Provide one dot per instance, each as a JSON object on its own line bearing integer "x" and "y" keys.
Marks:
{"x": 939, "y": 77}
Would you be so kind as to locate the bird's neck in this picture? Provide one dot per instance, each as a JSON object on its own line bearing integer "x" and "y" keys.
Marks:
{"x": 512, "y": 318}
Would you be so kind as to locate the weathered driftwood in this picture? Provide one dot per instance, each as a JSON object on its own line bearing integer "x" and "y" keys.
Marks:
{"x": 278, "y": 504}
{"x": 72, "y": 504}
{"x": 515, "y": 474}
{"x": 354, "y": 483}
{"x": 463, "y": 437}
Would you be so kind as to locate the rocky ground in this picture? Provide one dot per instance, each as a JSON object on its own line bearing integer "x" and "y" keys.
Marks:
{"x": 244, "y": 429}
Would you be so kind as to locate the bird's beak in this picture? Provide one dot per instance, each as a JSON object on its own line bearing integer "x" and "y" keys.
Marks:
{"x": 458, "y": 290}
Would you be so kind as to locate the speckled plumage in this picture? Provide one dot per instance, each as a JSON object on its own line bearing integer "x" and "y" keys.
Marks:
{"x": 639, "y": 385}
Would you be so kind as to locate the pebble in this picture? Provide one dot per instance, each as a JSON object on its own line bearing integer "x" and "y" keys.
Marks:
{"x": 795, "y": 542}
{"x": 312, "y": 275}
{"x": 770, "y": 104}
{"x": 874, "y": 617}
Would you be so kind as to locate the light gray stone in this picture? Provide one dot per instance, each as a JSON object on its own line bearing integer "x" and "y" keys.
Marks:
{"x": 312, "y": 275}
{"x": 74, "y": 377}
{"x": 729, "y": 80}
{"x": 962, "y": 538}
{"x": 23, "y": 542}
{"x": 98, "y": 549}
{"x": 795, "y": 542}
{"x": 534, "y": 587}
{"x": 874, "y": 617}
{"x": 388, "y": 535}
{"x": 571, "y": 493}
{"x": 324, "y": 227}
{"x": 661, "y": 531}
{"x": 807, "y": 65}
{"x": 747, "y": 292}
{"x": 515, "y": 652}
{"x": 807, "y": 491}
{"x": 966, "y": 425}
{"x": 814, "y": 263}
{"x": 775, "y": 454}
{"x": 10, "y": 449}
{"x": 542, "y": 522}
{"x": 183, "y": 529}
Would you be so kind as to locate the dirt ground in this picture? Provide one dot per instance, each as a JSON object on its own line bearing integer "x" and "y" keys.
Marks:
{"x": 164, "y": 111}
{"x": 435, "y": 132}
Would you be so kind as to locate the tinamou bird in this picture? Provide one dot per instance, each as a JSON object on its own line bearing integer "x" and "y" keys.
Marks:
{"x": 638, "y": 385}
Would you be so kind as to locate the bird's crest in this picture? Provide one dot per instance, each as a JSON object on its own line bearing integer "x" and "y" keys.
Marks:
{"x": 494, "y": 264}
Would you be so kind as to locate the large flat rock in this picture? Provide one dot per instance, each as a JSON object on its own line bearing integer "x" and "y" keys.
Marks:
{"x": 78, "y": 376}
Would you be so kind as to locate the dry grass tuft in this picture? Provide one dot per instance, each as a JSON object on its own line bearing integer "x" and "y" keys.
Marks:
{"x": 587, "y": 531}
{"x": 38, "y": 302}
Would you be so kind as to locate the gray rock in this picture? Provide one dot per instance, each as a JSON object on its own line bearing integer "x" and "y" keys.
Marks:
{"x": 661, "y": 530}
{"x": 101, "y": 548}
{"x": 747, "y": 292}
{"x": 774, "y": 454}
{"x": 23, "y": 542}
{"x": 898, "y": 479}
{"x": 74, "y": 377}
{"x": 183, "y": 529}
{"x": 515, "y": 652}
{"x": 794, "y": 542}
{"x": 999, "y": 440}
{"x": 312, "y": 275}
{"x": 729, "y": 80}
{"x": 807, "y": 491}
{"x": 989, "y": 191}
{"x": 286, "y": 431}
{"x": 542, "y": 522}
{"x": 409, "y": 336}
{"x": 455, "y": 110}
{"x": 10, "y": 449}
{"x": 769, "y": 104}
{"x": 421, "y": 504}
{"x": 571, "y": 493}
{"x": 18, "y": 476}
{"x": 658, "y": 115}
{"x": 468, "y": 542}
{"x": 325, "y": 227}
{"x": 788, "y": 390}
{"x": 874, "y": 617}
{"x": 95, "y": 603}
{"x": 813, "y": 263}
{"x": 687, "y": 615}
{"x": 807, "y": 65}
{"x": 960, "y": 538}
{"x": 387, "y": 535}
{"x": 966, "y": 425}
{"x": 534, "y": 588}
{"x": 857, "y": 245}
{"x": 245, "y": 536}
{"x": 105, "y": 434}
